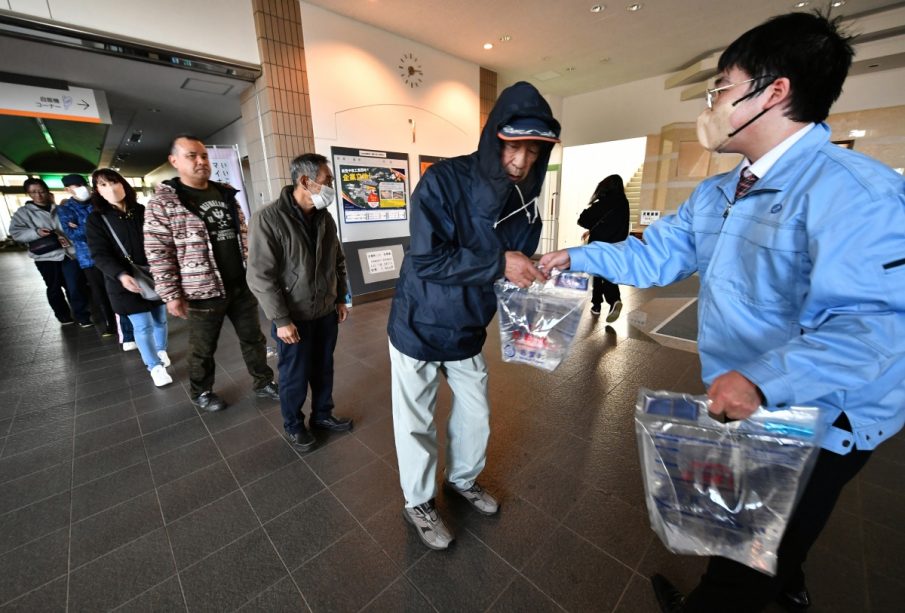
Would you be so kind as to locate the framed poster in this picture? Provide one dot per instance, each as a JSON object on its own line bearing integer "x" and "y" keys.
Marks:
{"x": 426, "y": 161}
{"x": 373, "y": 185}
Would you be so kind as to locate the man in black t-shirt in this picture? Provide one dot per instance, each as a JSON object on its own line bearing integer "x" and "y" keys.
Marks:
{"x": 195, "y": 240}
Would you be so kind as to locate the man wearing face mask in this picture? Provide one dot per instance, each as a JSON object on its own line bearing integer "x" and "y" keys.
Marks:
{"x": 474, "y": 220}
{"x": 195, "y": 242}
{"x": 297, "y": 270}
{"x": 801, "y": 253}
{"x": 73, "y": 215}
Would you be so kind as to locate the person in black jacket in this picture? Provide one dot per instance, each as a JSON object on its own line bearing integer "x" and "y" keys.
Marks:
{"x": 606, "y": 221}
{"x": 474, "y": 219}
{"x": 115, "y": 204}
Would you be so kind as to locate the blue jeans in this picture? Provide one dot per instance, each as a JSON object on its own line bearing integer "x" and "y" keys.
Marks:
{"x": 150, "y": 330}
{"x": 308, "y": 362}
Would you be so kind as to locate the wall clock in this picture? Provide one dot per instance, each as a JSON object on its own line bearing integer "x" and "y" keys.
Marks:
{"x": 410, "y": 70}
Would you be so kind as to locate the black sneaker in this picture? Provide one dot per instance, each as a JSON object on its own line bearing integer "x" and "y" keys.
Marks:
{"x": 209, "y": 401}
{"x": 301, "y": 441}
{"x": 670, "y": 599}
{"x": 271, "y": 390}
{"x": 334, "y": 424}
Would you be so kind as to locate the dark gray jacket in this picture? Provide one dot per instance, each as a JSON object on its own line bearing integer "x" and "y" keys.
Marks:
{"x": 293, "y": 277}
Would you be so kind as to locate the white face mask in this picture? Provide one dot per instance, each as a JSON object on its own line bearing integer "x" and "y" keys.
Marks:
{"x": 323, "y": 198}
{"x": 81, "y": 193}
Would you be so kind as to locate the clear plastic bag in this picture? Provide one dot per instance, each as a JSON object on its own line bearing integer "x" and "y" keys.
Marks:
{"x": 723, "y": 489}
{"x": 538, "y": 323}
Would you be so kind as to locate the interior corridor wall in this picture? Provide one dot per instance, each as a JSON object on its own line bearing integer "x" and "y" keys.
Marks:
{"x": 583, "y": 167}
{"x": 224, "y": 28}
{"x": 359, "y": 100}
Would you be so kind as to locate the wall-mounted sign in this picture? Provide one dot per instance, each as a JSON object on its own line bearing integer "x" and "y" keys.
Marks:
{"x": 426, "y": 161}
{"x": 373, "y": 185}
{"x": 380, "y": 260}
{"x": 73, "y": 104}
{"x": 646, "y": 218}
{"x": 226, "y": 168}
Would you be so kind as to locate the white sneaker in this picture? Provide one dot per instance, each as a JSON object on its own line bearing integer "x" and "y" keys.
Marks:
{"x": 164, "y": 358}
{"x": 130, "y": 346}
{"x": 160, "y": 376}
{"x": 614, "y": 312}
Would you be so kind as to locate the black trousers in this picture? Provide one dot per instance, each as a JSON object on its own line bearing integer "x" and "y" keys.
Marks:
{"x": 604, "y": 290}
{"x": 730, "y": 586}
{"x": 66, "y": 274}
{"x": 308, "y": 362}
{"x": 99, "y": 297}
{"x": 205, "y": 322}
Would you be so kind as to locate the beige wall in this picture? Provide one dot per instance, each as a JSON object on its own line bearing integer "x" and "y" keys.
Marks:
{"x": 675, "y": 162}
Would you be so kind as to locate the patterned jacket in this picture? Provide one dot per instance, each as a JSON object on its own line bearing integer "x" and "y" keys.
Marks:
{"x": 178, "y": 247}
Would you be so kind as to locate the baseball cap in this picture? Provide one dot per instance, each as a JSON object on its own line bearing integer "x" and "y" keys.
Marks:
{"x": 527, "y": 128}
{"x": 73, "y": 179}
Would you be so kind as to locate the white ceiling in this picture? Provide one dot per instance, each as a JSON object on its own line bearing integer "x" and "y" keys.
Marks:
{"x": 605, "y": 49}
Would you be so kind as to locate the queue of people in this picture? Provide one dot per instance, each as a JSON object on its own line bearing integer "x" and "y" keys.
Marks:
{"x": 799, "y": 250}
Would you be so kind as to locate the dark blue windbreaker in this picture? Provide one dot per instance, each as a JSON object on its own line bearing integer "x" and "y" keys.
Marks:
{"x": 444, "y": 298}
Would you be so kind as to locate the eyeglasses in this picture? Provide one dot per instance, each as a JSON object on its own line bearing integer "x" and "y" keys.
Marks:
{"x": 712, "y": 94}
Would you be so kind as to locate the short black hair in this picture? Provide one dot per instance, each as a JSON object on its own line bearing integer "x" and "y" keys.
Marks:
{"x": 808, "y": 49}
{"x": 184, "y": 135}
{"x": 306, "y": 165}
{"x": 35, "y": 181}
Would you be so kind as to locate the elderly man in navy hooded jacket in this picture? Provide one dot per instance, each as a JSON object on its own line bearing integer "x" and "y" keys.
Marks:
{"x": 474, "y": 219}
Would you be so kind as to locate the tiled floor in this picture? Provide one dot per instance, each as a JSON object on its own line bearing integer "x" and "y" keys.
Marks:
{"x": 115, "y": 494}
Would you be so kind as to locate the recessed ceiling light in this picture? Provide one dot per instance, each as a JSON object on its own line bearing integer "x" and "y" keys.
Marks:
{"x": 597, "y": 8}
{"x": 488, "y": 45}
{"x": 505, "y": 38}
{"x": 857, "y": 133}
{"x": 634, "y": 7}
{"x": 570, "y": 69}
{"x": 838, "y": 3}
{"x": 802, "y": 4}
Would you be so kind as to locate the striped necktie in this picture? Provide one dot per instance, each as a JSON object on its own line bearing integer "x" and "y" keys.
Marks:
{"x": 745, "y": 181}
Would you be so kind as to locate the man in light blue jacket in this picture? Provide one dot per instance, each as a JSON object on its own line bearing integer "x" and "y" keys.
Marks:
{"x": 801, "y": 254}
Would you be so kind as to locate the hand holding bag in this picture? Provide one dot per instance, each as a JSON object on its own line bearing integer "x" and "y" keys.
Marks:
{"x": 141, "y": 276}
{"x": 45, "y": 244}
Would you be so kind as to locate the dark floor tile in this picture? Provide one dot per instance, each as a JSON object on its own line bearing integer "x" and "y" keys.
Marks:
{"x": 515, "y": 532}
{"x": 578, "y": 586}
{"x": 339, "y": 459}
{"x": 378, "y": 436}
{"x": 883, "y": 549}
{"x": 837, "y": 584}
{"x": 95, "y": 402}
{"x": 466, "y": 577}
{"x": 366, "y": 491}
{"x": 886, "y": 594}
{"x": 34, "y": 564}
{"x": 5, "y": 425}
{"x": 121, "y": 575}
{"x": 110, "y": 460}
{"x": 638, "y": 597}
{"x": 223, "y": 581}
{"x": 401, "y": 595}
{"x": 184, "y": 495}
{"x": 620, "y": 529}
{"x": 108, "y": 436}
{"x": 152, "y": 421}
{"x": 282, "y": 489}
{"x": 88, "y": 421}
{"x": 166, "y": 596}
{"x": 237, "y": 413}
{"x": 29, "y": 439}
{"x": 884, "y": 473}
{"x": 357, "y": 564}
{"x": 34, "y": 521}
{"x": 244, "y": 436}
{"x": 159, "y": 398}
{"x": 522, "y": 596}
{"x": 261, "y": 460}
{"x": 550, "y": 489}
{"x": 48, "y": 598}
{"x": 284, "y": 596}
{"x": 39, "y": 458}
{"x": 113, "y": 489}
{"x": 43, "y": 417}
{"x": 184, "y": 460}
{"x": 114, "y": 527}
{"x": 175, "y": 436}
{"x": 34, "y": 487}
{"x": 842, "y": 536}
{"x": 197, "y": 534}
{"x": 308, "y": 528}
{"x": 883, "y": 506}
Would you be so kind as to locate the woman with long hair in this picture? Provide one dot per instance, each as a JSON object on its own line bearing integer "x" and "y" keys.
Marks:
{"x": 606, "y": 220}
{"x": 117, "y": 219}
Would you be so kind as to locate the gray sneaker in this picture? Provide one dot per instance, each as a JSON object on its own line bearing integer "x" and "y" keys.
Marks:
{"x": 477, "y": 497}
{"x": 430, "y": 528}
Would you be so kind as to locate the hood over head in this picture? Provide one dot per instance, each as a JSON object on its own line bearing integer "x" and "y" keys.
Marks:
{"x": 520, "y": 104}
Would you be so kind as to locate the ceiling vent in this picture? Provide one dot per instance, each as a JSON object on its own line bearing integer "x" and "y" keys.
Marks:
{"x": 206, "y": 87}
